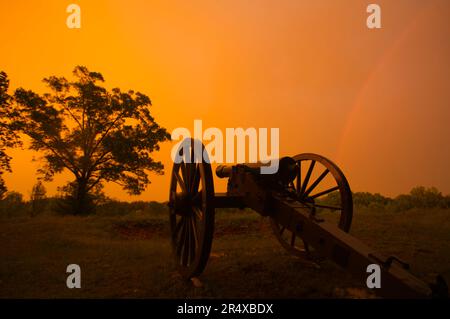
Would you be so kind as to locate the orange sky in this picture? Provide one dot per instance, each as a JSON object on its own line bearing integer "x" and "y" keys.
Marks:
{"x": 377, "y": 102}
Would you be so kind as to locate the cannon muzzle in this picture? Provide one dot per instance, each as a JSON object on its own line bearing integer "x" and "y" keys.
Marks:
{"x": 224, "y": 171}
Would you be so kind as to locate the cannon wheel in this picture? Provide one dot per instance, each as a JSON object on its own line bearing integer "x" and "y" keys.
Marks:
{"x": 305, "y": 193}
{"x": 191, "y": 211}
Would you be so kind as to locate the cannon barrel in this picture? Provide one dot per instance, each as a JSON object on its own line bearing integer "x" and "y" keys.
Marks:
{"x": 285, "y": 173}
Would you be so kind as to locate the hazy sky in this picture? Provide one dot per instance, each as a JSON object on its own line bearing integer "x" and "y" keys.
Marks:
{"x": 377, "y": 102}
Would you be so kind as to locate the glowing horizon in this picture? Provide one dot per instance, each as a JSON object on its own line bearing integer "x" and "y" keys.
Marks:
{"x": 374, "y": 101}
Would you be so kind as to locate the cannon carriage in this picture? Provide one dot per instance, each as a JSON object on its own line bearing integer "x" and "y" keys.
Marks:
{"x": 294, "y": 198}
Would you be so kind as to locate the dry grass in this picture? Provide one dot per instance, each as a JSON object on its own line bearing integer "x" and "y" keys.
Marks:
{"x": 129, "y": 256}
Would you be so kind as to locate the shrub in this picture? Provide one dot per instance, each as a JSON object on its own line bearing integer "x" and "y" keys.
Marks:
{"x": 13, "y": 205}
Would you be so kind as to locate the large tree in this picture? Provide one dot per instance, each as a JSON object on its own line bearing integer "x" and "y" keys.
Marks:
{"x": 7, "y": 137}
{"x": 98, "y": 135}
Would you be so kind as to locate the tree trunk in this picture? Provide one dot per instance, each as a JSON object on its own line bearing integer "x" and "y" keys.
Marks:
{"x": 82, "y": 205}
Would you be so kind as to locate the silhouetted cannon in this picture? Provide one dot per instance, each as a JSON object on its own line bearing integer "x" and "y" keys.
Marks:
{"x": 309, "y": 203}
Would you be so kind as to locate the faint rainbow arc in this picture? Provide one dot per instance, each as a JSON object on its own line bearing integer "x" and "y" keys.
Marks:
{"x": 386, "y": 56}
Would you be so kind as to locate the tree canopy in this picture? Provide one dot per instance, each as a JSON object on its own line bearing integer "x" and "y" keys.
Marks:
{"x": 7, "y": 136}
{"x": 99, "y": 135}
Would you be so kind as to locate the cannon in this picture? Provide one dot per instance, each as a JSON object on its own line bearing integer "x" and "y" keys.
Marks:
{"x": 295, "y": 200}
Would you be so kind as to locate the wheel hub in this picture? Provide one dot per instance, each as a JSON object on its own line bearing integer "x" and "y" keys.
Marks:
{"x": 183, "y": 204}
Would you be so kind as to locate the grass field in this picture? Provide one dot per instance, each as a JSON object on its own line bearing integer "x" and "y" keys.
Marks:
{"x": 129, "y": 256}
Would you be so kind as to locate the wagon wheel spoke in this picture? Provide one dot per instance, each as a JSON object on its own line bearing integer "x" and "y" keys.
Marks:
{"x": 330, "y": 190}
{"x": 198, "y": 213}
{"x": 181, "y": 241}
{"x": 299, "y": 177}
{"x": 307, "y": 177}
{"x": 190, "y": 164}
{"x": 188, "y": 251}
{"x": 192, "y": 246}
{"x": 178, "y": 227}
{"x": 183, "y": 172}
{"x": 316, "y": 182}
{"x": 179, "y": 211}
{"x": 194, "y": 227}
{"x": 185, "y": 254}
{"x": 191, "y": 176}
{"x": 196, "y": 180}
{"x": 180, "y": 233}
{"x": 180, "y": 182}
{"x": 197, "y": 199}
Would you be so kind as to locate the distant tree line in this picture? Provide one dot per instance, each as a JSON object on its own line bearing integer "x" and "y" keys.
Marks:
{"x": 418, "y": 197}
{"x": 13, "y": 203}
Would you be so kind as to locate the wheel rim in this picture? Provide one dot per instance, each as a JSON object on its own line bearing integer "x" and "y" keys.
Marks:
{"x": 191, "y": 210}
{"x": 321, "y": 186}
